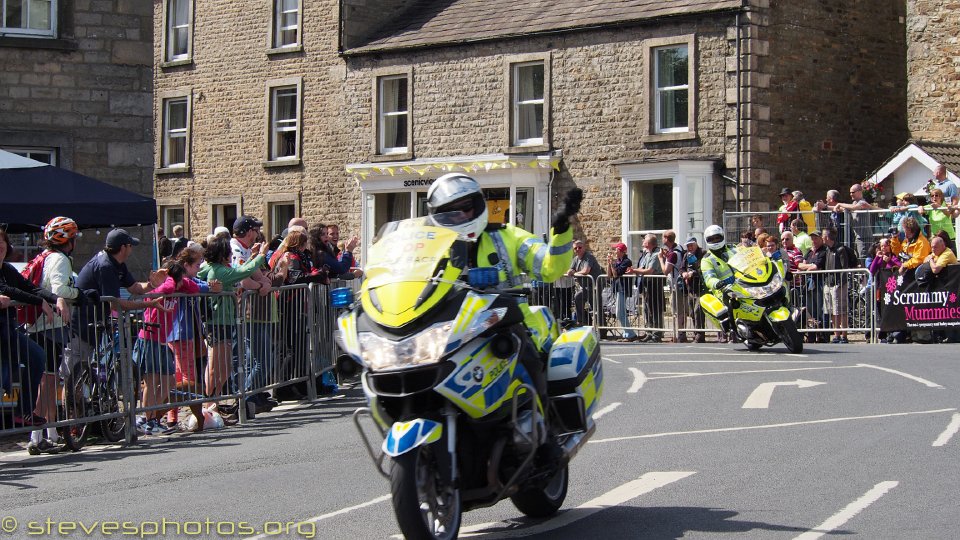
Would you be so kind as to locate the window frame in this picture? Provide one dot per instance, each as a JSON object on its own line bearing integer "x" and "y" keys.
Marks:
{"x": 164, "y": 99}
{"x": 215, "y": 207}
{"x": 275, "y": 30}
{"x": 165, "y": 223}
{"x": 169, "y": 60}
{"x": 379, "y": 150}
{"x": 30, "y": 151}
{"x": 653, "y": 133}
{"x": 512, "y": 64}
{"x": 272, "y": 93}
{"x": 270, "y": 202}
{"x": 9, "y": 31}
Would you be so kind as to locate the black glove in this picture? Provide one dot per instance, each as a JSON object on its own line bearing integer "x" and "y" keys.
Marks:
{"x": 568, "y": 208}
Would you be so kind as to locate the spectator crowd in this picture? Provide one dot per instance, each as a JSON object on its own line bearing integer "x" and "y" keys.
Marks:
{"x": 186, "y": 348}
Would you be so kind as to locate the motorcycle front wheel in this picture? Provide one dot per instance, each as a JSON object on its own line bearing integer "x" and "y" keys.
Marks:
{"x": 541, "y": 502}
{"x": 790, "y": 336}
{"x": 426, "y": 505}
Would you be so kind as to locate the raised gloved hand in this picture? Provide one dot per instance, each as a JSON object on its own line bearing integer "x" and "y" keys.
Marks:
{"x": 776, "y": 256}
{"x": 568, "y": 208}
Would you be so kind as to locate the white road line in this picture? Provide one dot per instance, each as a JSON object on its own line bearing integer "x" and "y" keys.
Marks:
{"x": 849, "y": 512}
{"x": 751, "y": 371}
{"x": 767, "y": 426}
{"x": 609, "y": 408}
{"x": 751, "y": 354}
{"x": 638, "y": 379}
{"x": 902, "y": 374}
{"x": 335, "y": 513}
{"x": 619, "y": 495}
{"x": 735, "y": 361}
{"x": 952, "y": 428}
{"x": 607, "y": 359}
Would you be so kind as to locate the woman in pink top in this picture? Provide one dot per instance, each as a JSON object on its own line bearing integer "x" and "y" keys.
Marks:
{"x": 151, "y": 353}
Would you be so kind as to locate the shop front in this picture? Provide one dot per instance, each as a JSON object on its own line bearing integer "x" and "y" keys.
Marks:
{"x": 517, "y": 189}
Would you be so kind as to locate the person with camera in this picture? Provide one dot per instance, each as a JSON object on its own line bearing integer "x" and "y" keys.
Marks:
{"x": 618, "y": 265}
{"x": 689, "y": 289}
{"x": 911, "y": 245}
{"x": 653, "y": 262}
{"x": 583, "y": 267}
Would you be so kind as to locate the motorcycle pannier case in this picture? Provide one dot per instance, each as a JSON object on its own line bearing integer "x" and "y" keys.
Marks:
{"x": 575, "y": 378}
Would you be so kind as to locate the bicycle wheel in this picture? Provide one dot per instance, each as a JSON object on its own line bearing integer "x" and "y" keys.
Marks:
{"x": 111, "y": 401}
{"x": 77, "y": 406}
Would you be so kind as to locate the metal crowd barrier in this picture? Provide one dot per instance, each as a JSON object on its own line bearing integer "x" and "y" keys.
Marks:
{"x": 624, "y": 306}
{"x": 213, "y": 347}
{"x": 835, "y": 301}
{"x": 50, "y": 368}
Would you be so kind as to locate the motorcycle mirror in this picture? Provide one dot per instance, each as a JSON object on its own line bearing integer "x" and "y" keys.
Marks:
{"x": 483, "y": 277}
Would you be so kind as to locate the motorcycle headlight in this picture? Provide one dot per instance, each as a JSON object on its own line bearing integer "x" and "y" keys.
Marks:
{"x": 424, "y": 348}
{"x": 763, "y": 291}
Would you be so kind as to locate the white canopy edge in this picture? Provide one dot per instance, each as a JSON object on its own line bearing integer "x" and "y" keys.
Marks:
{"x": 9, "y": 160}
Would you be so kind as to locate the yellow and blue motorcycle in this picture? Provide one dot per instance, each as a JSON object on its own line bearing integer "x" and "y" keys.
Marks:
{"x": 760, "y": 311}
{"x": 448, "y": 360}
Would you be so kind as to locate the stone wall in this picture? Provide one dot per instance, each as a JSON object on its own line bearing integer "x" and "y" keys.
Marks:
{"x": 933, "y": 67}
{"x": 86, "y": 93}
{"x": 228, "y": 79}
{"x": 832, "y": 75}
{"x": 597, "y": 106}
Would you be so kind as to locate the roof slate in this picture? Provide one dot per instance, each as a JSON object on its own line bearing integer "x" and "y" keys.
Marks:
{"x": 439, "y": 22}
{"x": 947, "y": 154}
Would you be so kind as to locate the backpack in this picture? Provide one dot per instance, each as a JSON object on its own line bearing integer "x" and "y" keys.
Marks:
{"x": 33, "y": 272}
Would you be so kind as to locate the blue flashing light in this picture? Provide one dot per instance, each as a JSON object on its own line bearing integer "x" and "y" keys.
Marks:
{"x": 341, "y": 297}
{"x": 483, "y": 277}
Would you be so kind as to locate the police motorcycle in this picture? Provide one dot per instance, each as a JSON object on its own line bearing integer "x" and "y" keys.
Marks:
{"x": 444, "y": 356}
{"x": 759, "y": 311}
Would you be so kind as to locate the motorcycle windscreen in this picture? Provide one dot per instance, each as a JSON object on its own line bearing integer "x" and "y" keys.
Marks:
{"x": 399, "y": 268}
{"x": 752, "y": 264}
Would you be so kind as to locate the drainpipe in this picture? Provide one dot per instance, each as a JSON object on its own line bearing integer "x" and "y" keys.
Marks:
{"x": 736, "y": 174}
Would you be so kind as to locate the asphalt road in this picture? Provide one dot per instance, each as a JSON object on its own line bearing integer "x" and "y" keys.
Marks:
{"x": 698, "y": 441}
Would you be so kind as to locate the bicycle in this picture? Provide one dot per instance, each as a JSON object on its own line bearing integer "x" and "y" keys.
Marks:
{"x": 93, "y": 388}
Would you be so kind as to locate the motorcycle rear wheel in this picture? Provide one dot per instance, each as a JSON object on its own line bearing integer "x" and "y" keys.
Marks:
{"x": 543, "y": 501}
{"x": 427, "y": 507}
{"x": 790, "y": 336}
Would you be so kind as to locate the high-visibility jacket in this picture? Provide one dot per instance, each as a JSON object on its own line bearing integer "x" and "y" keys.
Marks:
{"x": 517, "y": 251}
{"x": 715, "y": 269}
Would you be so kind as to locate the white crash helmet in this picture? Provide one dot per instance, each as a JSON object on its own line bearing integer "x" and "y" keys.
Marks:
{"x": 455, "y": 201}
{"x": 714, "y": 237}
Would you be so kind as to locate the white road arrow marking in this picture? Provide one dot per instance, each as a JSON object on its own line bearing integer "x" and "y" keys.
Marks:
{"x": 851, "y": 510}
{"x": 638, "y": 379}
{"x": 619, "y": 495}
{"x": 920, "y": 380}
{"x": 609, "y": 408}
{"x": 952, "y": 428}
{"x": 760, "y": 398}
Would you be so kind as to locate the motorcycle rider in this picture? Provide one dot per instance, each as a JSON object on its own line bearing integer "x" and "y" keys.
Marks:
{"x": 455, "y": 201}
{"x": 717, "y": 274}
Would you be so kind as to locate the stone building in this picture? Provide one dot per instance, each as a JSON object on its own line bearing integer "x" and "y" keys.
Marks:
{"x": 76, "y": 87}
{"x": 666, "y": 113}
{"x": 931, "y": 101}
{"x": 933, "y": 66}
